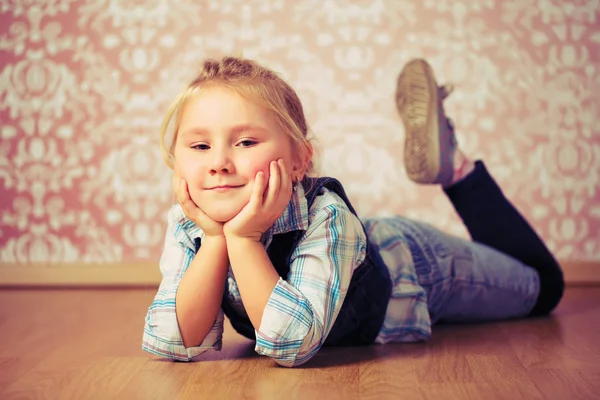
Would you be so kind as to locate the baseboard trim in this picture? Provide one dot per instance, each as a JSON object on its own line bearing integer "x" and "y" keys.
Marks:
{"x": 78, "y": 274}
{"x": 146, "y": 274}
{"x": 579, "y": 273}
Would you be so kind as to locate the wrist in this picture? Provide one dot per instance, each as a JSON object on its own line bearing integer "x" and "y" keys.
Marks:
{"x": 213, "y": 233}
{"x": 253, "y": 237}
{"x": 216, "y": 240}
{"x": 242, "y": 241}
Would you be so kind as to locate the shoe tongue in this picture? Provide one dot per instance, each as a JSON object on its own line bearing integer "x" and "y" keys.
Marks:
{"x": 445, "y": 90}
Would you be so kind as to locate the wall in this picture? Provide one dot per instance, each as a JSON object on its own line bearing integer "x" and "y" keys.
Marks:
{"x": 84, "y": 85}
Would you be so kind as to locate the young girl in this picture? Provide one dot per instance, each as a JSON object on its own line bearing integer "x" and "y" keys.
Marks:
{"x": 284, "y": 255}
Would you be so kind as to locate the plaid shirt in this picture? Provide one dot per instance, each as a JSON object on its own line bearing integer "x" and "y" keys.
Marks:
{"x": 302, "y": 309}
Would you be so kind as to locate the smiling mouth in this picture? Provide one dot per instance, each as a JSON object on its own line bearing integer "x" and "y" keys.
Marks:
{"x": 223, "y": 188}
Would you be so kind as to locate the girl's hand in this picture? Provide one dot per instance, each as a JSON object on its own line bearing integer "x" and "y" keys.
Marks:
{"x": 266, "y": 204}
{"x": 211, "y": 228}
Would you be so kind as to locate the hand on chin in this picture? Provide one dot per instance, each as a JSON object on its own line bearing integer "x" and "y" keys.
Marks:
{"x": 267, "y": 203}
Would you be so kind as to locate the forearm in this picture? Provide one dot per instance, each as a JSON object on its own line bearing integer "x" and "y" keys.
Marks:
{"x": 255, "y": 276}
{"x": 200, "y": 291}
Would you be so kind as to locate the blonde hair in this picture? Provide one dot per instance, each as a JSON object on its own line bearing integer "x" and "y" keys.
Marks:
{"x": 253, "y": 82}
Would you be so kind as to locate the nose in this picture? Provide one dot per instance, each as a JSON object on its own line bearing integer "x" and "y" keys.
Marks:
{"x": 221, "y": 162}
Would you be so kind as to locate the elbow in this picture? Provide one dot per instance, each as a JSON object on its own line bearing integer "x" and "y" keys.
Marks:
{"x": 165, "y": 341}
{"x": 175, "y": 351}
{"x": 160, "y": 347}
{"x": 294, "y": 363}
{"x": 290, "y": 334}
{"x": 289, "y": 353}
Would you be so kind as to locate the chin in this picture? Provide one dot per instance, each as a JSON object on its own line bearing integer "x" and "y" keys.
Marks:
{"x": 221, "y": 215}
{"x": 219, "y": 209}
{"x": 223, "y": 212}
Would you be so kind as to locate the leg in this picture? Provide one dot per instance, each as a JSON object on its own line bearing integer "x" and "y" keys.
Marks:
{"x": 492, "y": 220}
{"x": 467, "y": 281}
{"x": 431, "y": 156}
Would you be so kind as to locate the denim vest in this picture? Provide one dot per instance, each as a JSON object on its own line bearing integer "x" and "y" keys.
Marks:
{"x": 366, "y": 301}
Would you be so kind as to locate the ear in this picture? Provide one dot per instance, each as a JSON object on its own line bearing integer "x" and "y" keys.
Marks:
{"x": 300, "y": 165}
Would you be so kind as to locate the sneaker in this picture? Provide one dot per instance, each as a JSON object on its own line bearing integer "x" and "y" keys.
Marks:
{"x": 430, "y": 142}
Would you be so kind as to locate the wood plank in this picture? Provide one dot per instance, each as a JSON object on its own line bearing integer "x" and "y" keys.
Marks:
{"x": 85, "y": 344}
{"x": 565, "y": 383}
{"x": 391, "y": 373}
{"x": 157, "y": 379}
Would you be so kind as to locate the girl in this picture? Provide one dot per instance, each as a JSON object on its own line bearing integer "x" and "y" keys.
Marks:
{"x": 284, "y": 255}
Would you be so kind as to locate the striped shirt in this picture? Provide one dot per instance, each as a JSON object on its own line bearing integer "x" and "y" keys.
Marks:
{"x": 301, "y": 309}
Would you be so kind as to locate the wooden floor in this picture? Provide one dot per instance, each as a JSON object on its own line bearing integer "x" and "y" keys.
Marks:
{"x": 82, "y": 344}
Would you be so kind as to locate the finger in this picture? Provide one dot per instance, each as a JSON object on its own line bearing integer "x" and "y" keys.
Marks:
{"x": 257, "y": 190}
{"x": 180, "y": 190}
{"x": 274, "y": 183}
{"x": 286, "y": 178}
{"x": 188, "y": 205}
{"x": 177, "y": 187}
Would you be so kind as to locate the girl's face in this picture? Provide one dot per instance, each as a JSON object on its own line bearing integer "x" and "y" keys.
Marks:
{"x": 223, "y": 141}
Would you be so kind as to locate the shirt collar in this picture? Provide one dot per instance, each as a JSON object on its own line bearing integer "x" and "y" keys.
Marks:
{"x": 295, "y": 216}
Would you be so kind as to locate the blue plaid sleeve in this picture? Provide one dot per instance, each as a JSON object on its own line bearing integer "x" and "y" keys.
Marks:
{"x": 302, "y": 309}
{"x": 161, "y": 331}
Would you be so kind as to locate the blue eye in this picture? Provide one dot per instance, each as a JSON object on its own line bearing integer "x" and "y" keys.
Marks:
{"x": 247, "y": 143}
{"x": 201, "y": 146}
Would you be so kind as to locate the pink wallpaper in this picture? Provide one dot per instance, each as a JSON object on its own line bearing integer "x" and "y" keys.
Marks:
{"x": 84, "y": 85}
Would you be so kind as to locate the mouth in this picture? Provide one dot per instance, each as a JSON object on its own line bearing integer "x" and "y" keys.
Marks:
{"x": 223, "y": 188}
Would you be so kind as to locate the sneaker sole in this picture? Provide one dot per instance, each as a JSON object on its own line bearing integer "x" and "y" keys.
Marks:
{"x": 417, "y": 102}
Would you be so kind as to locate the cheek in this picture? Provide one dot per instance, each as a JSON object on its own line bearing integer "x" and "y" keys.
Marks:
{"x": 189, "y": 168}
{"x": 262, "y": 162}
{"x": 254, "y": 165}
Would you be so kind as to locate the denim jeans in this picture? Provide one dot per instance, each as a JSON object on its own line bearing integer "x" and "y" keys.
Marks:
{"x": 506, "y": 271}
{"x": 467, "y": 281}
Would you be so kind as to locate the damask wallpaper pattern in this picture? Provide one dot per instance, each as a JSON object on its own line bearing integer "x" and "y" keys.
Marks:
{"x": 84, "y": 85}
